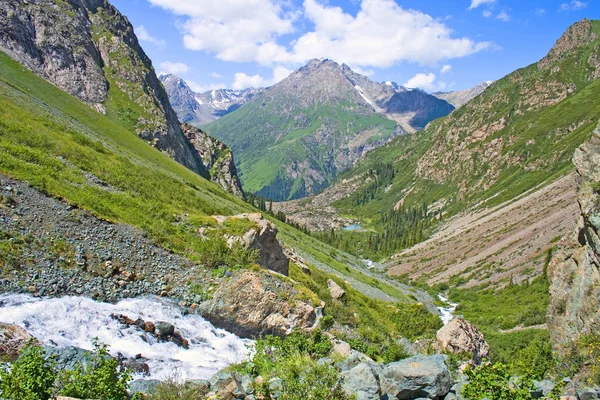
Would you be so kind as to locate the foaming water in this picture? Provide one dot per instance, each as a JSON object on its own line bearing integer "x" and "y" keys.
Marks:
{"x": 75, "y": 321}
{"x": 446, "y": 313}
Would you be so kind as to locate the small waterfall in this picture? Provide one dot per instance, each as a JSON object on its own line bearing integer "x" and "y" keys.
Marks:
{"x": 447, "y": 313}
{"x": 75, "y": 321}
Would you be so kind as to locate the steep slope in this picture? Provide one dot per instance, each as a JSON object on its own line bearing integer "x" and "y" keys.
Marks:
{"x": 87, "y": 48}
{"x": 201, "y": 108}
{"x": 294, "y": 138}
{"x": 459, "y": 98}
{"x": 519, "y": 134}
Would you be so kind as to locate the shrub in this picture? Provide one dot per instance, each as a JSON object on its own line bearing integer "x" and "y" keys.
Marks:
{"x": 105, "y": 379}
{"x": 493, "y": 381}
{"x": 31, "y": 377}
{"x": 327, "y": 322}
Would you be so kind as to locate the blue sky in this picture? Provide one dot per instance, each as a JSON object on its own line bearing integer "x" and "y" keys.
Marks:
{"x": 435, "y": 45}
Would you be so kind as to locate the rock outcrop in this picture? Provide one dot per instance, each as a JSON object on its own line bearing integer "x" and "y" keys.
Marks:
{"x": 335, "y": 290}
{"x": 461, "y": 336}
{"x": 88, "y": 49}
{"x": 217, "y": 159}
{"x": 13, "y": 339}
{"x": 574, "y": 270}
{"x": 255, "y": 303}
{"x": 262, "y": 238}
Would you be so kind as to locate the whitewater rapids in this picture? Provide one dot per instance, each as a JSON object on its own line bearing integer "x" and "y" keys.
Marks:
{"x": 75, "y": 321}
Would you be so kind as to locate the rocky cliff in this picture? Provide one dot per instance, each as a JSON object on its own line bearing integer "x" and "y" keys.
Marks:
{"x": 574, "y": 270}
{"x": 461, "y": 97}
{"x": 88, "y": 49}
{"x": 216, "y": 158}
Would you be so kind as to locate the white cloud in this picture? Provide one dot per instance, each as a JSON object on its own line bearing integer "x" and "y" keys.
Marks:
{"x": 204, "y": 88}
{"x": 359, "y": 70}
{"x": 503, "y": 16}
{"x": 215, "y": 75}
{"x": 573, "y": 5}
{"x": 445, "y": 69}
{"x": 486, "y": 13}
{"x": 426, "y": 82}
{"x": 234, "y": 30}
{"x": 381, "y": 34}
{"x": 175, "y": 68}
{"x": 243, "y": 81}
{"x": 477, "y": 3}
{"x": 539, "y": 11}
{"x": 143, "y": 35}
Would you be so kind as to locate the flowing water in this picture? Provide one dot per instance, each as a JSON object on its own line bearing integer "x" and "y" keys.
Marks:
{"x": 447, "y": 313}
{"x": 75, "y": 321}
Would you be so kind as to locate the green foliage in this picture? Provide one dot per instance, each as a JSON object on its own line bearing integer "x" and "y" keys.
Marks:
{"x": 588, "y": 349}
{"x": 293, "y": 360}
{"x": 105, "y": 379}
{"x": 327, "y": 322}
{"x": 174, "y": 388}
{"x": 31, "y": 377}
{"x": 494, "y": 382}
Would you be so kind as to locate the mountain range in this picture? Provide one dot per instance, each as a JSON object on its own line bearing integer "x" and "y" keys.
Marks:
{"x": 201, "y": 108}
{"x": 459, "y": 98}
{"x": 294, "y": 138}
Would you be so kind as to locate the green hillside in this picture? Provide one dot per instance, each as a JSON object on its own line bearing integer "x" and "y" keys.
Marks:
{"x": 519, "y": 133}
{"x": 56, "y": 143}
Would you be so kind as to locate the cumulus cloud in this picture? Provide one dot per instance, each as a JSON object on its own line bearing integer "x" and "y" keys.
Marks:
{"x": 477, "y": 3}
{"x": 234, "y": 30}
{"x": 486, "y": 13}
{"x": 426, "y": 82}
{"x": 142, "y": 34}
{"x": 175, "y": 68}
{"x": 243, "y": 81}
{"x": 573, "y": 5}
{"x": 215, "y": 75}
{"x": 381, "y": 34}
{"x": 445, "y": 69}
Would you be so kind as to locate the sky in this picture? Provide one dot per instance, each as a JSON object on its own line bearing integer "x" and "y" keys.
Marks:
{"x": 436, "y": 45}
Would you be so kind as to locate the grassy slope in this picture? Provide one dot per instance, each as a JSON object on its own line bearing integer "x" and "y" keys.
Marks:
{"x": 55, "y": 142}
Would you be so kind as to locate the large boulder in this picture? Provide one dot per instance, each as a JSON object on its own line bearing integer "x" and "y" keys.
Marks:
{"x": 416, "y": 377}
{"x": 263, "y": 238}
{"x": 335, "y": 290}
{"x": 362, "y": 381}
{"x": 13, "y": 339}
{"x": 461, "y": 336}
{"x": 257, "y": 303}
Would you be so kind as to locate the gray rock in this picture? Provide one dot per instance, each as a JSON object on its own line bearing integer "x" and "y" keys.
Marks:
{"x": 164, "y": 329}
{"x": 146, "y": 386}
{"x": 363, "y": 381}
{"x": 355, "y": 359}
{"x": 419, "y": 376}
{"x": 588, "y": 394}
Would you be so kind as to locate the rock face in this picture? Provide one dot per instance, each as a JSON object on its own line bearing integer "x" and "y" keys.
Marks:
{"x": 262, "y": 238}
{"x": 217, "y": 159}
{"x": 201, "y": 108}
{"x": 13, "y": 339}
{"x": 461, "y": 336}
{"x": 416, "y": 377}
{"x": 88, "y": 49}
{"x": 254, "y": 303}
{"x": 574, "y": 270}
{"x": 363, "y": 381}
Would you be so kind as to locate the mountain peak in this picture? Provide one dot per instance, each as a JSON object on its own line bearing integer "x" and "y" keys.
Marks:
{"x": 577, "y": 35}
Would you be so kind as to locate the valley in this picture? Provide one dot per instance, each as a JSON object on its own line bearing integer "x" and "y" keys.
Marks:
{"x": 323, "y": 236}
